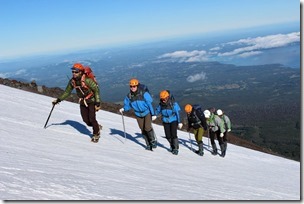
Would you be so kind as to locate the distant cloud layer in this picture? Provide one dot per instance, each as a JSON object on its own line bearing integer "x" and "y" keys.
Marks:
{"x": 9, "y": 74}
{"x": 253, "y": 45}
{"x": 240, "y": 48}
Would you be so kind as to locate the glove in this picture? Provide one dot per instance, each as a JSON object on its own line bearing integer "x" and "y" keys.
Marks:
{"x": 222, "y": 134}
{"x": 121, "y": 110}
{"x": 97, "y": 106}
{"x": 56, "y": 101}
{"x": 228, "y": 130}
{"x": 154, "y": 117}
{"x": 180, "y": 125}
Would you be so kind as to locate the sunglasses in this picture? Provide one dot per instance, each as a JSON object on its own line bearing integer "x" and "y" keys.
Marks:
{"x": 132, "y": 86}
{"x": 75, "y": 72}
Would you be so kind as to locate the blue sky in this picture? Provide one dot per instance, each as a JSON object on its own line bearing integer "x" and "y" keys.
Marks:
{"x": 45, "y": 26}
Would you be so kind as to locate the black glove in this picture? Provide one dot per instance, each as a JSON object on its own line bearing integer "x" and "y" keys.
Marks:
{"x": 56, "y": 101}
{"x": 97, "y": 106}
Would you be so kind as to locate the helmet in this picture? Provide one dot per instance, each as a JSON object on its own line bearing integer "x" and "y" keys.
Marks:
{"x": 163, "y": 94}
{"x": 219, "y": 112}
{"x": 134, "y": 82}
{"x": 78, "y": 66}
{"x": 207, "y": 113}
{"x": 188, "y": 108}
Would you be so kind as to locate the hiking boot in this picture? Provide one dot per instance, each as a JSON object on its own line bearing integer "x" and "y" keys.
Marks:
{"x": 223, "y": 150}
{"x": 151, "y": 138}
{"x": 100, "y": 128}
{"x": 175, "y": 151}
{"x": 199, "y": 152}
{"x": 149, "y": 147}
{"x": 154, "y": 144}
{"x": 214, "y": 152}
{"x": 95, "y": 138}
{"x": 174, "y": 143}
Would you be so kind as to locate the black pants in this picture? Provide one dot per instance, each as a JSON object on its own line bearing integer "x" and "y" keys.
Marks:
{"x": 88, "y": 115}
{"x": 170, "y": 131}
{"x": 217, "y": 134}
{"x": 225, "y": 137}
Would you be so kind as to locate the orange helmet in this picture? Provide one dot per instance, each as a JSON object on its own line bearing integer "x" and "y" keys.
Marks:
{"x": 163, "y": 94}
{"x": 134, "y": 82}
{"x": 188, "y": 108}
{"x": 78, "y": 66}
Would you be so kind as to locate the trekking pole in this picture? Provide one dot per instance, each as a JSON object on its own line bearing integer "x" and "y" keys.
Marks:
{"x": 49, "y": 116}
{"x": 123, "y": 123}
{"x": 208, "y": 139}
{"x": 190, "y": 141}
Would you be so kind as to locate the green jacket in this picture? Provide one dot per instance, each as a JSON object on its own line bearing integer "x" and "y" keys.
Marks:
{"x": 215, "y": 123}
{"x": 226, "y": 121}
{"x": 83, "y": 92}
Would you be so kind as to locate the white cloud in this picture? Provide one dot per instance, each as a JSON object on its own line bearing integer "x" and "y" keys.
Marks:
{"x": 196, "y": 77}
{"x": 251, "y": 53}
{"x": 215, "y": 48}
{"x": 252, "y": 45}
{"x": 185, "y": 56}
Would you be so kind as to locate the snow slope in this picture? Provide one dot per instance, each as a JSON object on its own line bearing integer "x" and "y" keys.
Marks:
{"x": 60, "y": 162}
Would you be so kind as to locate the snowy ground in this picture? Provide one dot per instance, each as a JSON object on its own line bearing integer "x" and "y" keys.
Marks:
{"x": 60, "y": 162}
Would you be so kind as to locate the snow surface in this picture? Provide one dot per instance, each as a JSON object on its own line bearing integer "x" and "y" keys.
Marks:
{"x": 60, "y": 162}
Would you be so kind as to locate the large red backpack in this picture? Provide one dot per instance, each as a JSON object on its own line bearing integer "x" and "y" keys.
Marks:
{"x": 89, "y": 73}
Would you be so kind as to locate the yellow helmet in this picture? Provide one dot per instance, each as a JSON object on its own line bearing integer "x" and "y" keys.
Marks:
{"x": 163, "y": 94}
{"x": 188, "y": 108}
{"x": 134, "y": 82}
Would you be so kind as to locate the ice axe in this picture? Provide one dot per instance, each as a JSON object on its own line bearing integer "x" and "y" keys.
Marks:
{"x": 49, "y": 116}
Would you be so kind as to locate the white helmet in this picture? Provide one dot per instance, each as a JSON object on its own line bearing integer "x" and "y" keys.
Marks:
{"x": 207, "y": 113}
{"x": 219, "y": 112}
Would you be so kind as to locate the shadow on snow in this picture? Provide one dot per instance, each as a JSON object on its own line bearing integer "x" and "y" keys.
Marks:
{"x": 77, "y": 125}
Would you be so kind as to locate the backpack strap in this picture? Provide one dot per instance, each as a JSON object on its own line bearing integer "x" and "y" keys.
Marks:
{"x": 138, "y": 95}
{"x": 198, "y": 121}
{"x": 82, "y": 86}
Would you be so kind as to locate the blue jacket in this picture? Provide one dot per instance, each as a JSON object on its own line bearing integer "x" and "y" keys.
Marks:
{"x": 141, "y": 107}
{"x": 169, "y": 114}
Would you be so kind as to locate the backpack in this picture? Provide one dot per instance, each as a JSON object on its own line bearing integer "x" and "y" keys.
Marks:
{"x": 198, "y": 109}
{"x": 88, "y": 73}
{"x": 141, "y": 90}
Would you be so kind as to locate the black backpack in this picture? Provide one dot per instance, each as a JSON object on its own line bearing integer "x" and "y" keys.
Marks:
{"x": 198, "y": 113}
{"x": 139, "y": 94}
